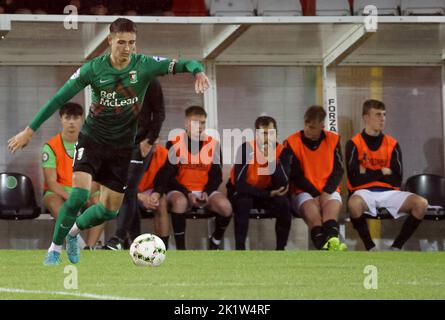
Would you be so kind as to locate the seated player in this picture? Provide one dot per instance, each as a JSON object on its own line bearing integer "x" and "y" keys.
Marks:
{"x": 249, "y": 187}
{"x": 374, "y": 166}
{"x": 57, "y": 164}
{"x": 194, "y": 174}
{"x": 149, "y": 195}
{"x": 149, "y": 199}
{"x": 314, "y": 161}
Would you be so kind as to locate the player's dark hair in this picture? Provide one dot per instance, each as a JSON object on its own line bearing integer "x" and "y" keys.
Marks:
{"x": 372, "y": 104}
{"x": 195, "y": 111}
{"x": 71, "y": 109}
{"x": 314, "y": 113}
{"x": 264, "y": 121}
{"x": 122, "y": 25}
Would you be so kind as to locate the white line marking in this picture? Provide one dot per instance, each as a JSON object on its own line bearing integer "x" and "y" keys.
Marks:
{"x": 65, "y": 293}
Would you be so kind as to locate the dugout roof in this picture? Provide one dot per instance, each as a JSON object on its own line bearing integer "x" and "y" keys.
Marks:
{"x": 409, "y": 41}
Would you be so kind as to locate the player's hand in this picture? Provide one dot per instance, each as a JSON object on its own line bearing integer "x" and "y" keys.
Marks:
{"x": 145, "y": 147}
{"x": 144, "y": 199}
{"x": 202, "y": 200}
{"x": 20, "y": 140}
{"x": 386, "y": 171}
{"x": 362, "y": 170}
{"x": 193, "y": 199}
{"x": 279, "y": 192}
{"x": 153, "y": 200}
{"x": 202, "y": 83}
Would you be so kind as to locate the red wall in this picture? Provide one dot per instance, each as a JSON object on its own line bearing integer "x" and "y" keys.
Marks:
{"x": 309, "y": 7}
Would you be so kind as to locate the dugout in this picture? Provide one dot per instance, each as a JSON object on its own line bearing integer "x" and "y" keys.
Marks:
{"x": 273, "y": 65}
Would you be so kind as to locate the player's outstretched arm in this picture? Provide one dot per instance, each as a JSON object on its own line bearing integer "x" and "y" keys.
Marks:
{"x": 79, "y": 80}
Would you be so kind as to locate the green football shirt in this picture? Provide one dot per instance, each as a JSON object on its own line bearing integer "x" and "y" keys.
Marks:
{"x": 117, "y": 95}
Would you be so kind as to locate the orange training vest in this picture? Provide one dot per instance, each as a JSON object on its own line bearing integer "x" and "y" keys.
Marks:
{"x": 317, "y": 165}
{"x": 158, "y": 160}
{"x": 64, "y": 163}
{"x": 258, "y": 161}
{"x": 193, "y": 172}
{"x": 374, "y": 160}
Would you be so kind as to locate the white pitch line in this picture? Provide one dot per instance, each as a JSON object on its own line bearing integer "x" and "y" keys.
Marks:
{"x": 64, "y": 293}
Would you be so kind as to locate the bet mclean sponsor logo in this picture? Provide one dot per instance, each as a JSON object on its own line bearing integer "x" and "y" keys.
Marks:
{"x": 108, "y": 99}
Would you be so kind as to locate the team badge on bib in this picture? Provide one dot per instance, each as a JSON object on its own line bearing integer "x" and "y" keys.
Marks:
{"x": 133, "y": 76}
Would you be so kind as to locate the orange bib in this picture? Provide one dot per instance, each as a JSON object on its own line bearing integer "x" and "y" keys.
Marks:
{"x": 317, "y": 165}
{"x": 64, "y": 163}
{"x": 158, "y": 160}
{"x": 258, "y": 162}
{"x": 193, "y": 171}
{"x": 374, "y": 160}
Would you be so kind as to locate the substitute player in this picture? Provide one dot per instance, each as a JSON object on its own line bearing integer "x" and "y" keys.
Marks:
{"x": 314, "y": 159}
{"x": 258, "y": 180}
{"x": 57, "y": 164}
{"x": 374, "y": 166}
{"x": 194, "y": 174}
{"x": 119, "y": 81}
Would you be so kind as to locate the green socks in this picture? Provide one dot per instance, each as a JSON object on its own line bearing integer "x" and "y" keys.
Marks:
{"x": 68, "y": 214}
{"x": 94, "y": 216}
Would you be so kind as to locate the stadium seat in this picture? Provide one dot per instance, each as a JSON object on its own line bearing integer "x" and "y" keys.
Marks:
{"x": 382, "y": 214}
{"x": 189, "y": 8}
{"x": 384, "y": 7}
{"x": 261, "y": 214}
{"x": 196, "y": 213}
{"x": 423, "y": 8}
{"x": 332, "y": 8}
{"x": 232, "y": 8}
{"x": 279, "y": 8}
{"x": 432, "y": 188}
{"x": 17, "y": 198}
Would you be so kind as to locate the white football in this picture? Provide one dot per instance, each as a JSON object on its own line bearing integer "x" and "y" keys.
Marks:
{"x": 147, "y": 250}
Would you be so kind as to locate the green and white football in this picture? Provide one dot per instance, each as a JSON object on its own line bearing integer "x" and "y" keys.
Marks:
{"x": 147, "y": 250}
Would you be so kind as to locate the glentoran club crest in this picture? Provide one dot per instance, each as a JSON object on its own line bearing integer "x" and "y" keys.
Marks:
{"x": 133, "y": 76}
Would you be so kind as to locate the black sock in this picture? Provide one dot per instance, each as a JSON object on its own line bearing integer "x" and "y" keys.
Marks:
{"x": 241, "y": 209}
{"x": 318, "y": 237}
{"x": 283, "y": 222}
{"x": 408, "y": 228}
{"x": 221, "y": 224}
{"x": 178, "y": 224}
{"x": 165, "y": 239}
{"x": 361, "y": 226}
{"x": 330, "y": 228}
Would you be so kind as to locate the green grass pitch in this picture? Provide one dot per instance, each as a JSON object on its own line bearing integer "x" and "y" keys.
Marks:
{"x": 213, "y": 275}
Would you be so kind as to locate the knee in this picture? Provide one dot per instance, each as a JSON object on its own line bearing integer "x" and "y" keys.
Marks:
{"x": 225, "y": 208}
{"x": 110, "y": 214}
{"x": 355, "y": 206}
{"x": 421, "y": 205}
{"x": 179, "y": 203}
{"x": 78, "y": 199}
